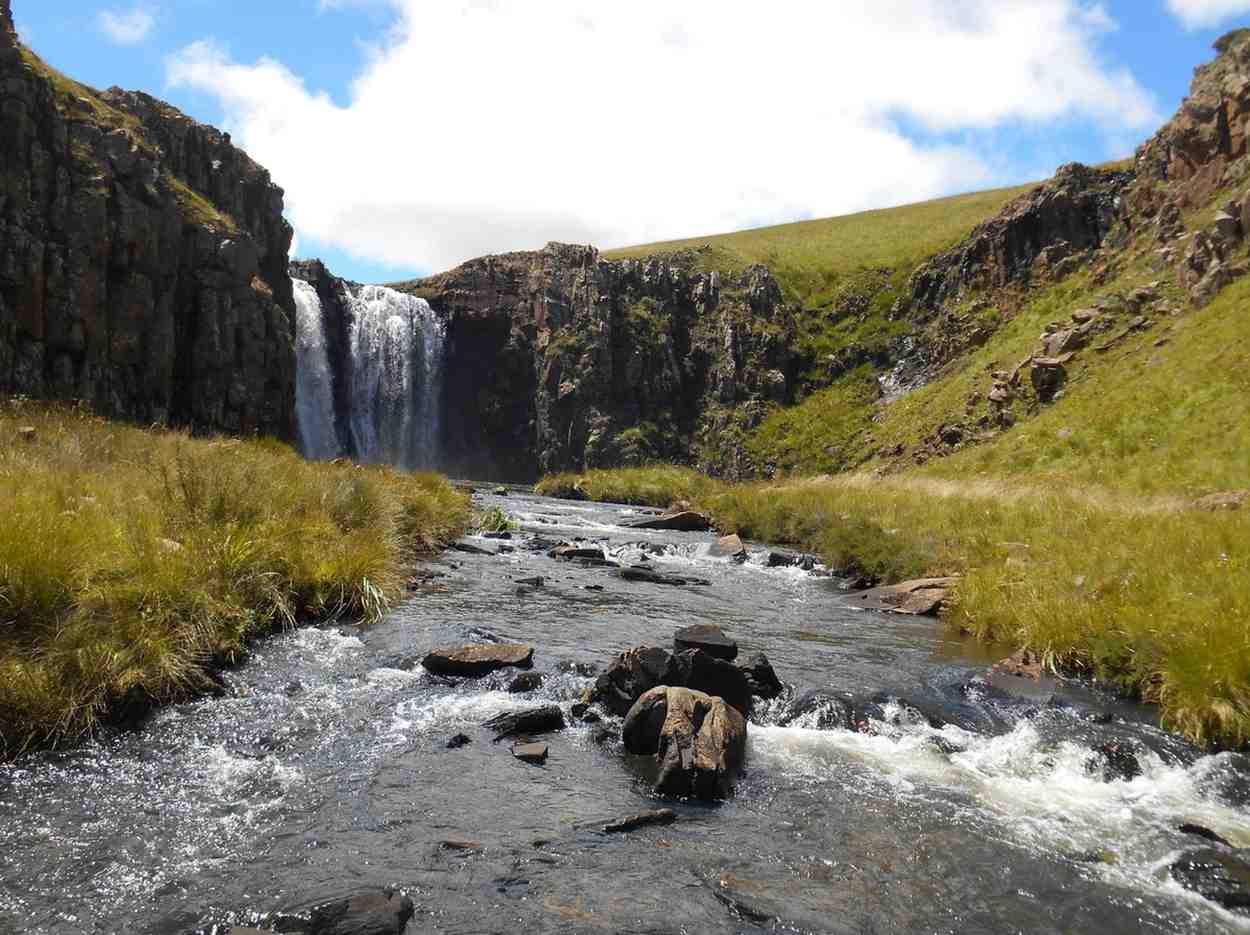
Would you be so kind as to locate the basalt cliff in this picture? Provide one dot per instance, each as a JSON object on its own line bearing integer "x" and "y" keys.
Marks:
{"x": 142, "y": 258}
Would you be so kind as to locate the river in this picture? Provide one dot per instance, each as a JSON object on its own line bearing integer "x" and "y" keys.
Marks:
{"x": 326, "y": 769}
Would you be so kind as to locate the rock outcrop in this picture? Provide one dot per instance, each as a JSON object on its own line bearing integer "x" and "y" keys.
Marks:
{"x": 698, "y": 741}
{"x": 142, "y": 258}
{"x": 560, "y": 359}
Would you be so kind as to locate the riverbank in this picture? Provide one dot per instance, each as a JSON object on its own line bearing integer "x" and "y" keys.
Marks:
{"x": 1152, "y": 595}
{"x": 135, "y": 563}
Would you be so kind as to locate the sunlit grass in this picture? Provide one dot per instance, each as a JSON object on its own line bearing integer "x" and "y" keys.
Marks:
{"x": 659, "y": 485}
{"x": 133, "y": 562}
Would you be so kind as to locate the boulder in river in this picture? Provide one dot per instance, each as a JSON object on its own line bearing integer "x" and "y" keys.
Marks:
{"x": 371, "y": 912}
{"x": 637, "y": 671}
{"x": 820, "y": 710}
{"x": 458, "y": 741}
{"x": 569, "y": 552}
{"x": 676, "y": 521}
{"x": 535, "y": 753}
{"x": 730, "y": 547}
{"x": 1218, "y": 874}
{"x": 478, "y": 659}
{"x": 531, "y": 721}
{"x": 471, "y": 548}
{"x": 698, "y": 741}
{"x": 1116, "y": 761}
{"x": 762, "y": 681}
{"x": 642, "y": 573}
{"x": 660, "y": 816}
{"x": 708, "y": 637}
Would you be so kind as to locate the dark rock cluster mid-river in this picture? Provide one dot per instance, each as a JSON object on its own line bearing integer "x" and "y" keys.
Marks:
{"x": 328, "y": 770}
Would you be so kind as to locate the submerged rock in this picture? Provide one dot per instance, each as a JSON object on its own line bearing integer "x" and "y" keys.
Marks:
{"x": 650, "y": 576}
{"x": 460, "y": 740}
{"x": 1116, "y": 761}
{"x": 1200, "y": 831}
{"x": 471, "y": 548}
{"x": 820, "y": 710}
{"x": 476, "y": 660}
{"x": 373, "y": 912}
{"x": 662, "y": 816}
{"x": 698, "y": 741}
{"x": 533, "y": 721}
{"x": 1222, "y": 876}
{"x": 707, "y": 637}
{"x": 526, "y": 682}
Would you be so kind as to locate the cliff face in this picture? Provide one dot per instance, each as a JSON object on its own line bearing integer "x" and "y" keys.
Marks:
{"x": 559, "y": 359}
{"x": 142, "y": 258}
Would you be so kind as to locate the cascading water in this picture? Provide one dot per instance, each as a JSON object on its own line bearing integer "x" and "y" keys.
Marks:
{"x": 398, "y": 350}
{"x": 314, "y": 389}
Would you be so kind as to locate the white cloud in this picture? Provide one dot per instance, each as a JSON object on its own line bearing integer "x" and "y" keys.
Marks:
{"x": 489, "y": 125}
{"x": 1197, "y": 14}
{"x": 127, "y": 27}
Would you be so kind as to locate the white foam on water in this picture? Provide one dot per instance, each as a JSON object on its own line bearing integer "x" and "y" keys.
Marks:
{"x": 1041, "y": 795}
{"x": 327, "y": 645}
{"x": 423, "y": 715}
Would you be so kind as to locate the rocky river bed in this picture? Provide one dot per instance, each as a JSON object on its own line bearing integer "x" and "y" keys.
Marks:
{"x": 959, "y": 802}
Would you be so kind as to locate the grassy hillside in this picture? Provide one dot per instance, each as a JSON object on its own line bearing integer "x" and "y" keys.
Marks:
{"x": 133, "y": 562}
{"x": 812, "y": 259}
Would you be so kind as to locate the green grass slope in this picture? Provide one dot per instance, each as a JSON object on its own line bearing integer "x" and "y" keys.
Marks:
{"x": 812, "y": 259}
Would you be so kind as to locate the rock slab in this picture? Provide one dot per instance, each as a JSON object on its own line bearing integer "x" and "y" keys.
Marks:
{"x": 478, "y": 659}
{"x": 660, "y": 816}
{"x": 698, "y": 741}
{"x": 535, "y": 753}
{"x": 533, "y": 721}
{"x": 676, "y": 521}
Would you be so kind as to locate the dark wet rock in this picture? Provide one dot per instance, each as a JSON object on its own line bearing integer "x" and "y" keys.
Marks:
{"x": 698, "y": 741}
{"x": 1220, "y": 876}
{"x": 535, "y": 753}
{"x": 373, "y": 912}
{"x": 820, "y": 710}
{"x": 505, "y": 536}
{"x": 707, "y": 637}
{"x": 631, "y": 674}
{"x": 762, "y": 681}
{"x": 905, "y": 712}
{"x": 460, "y": 740}
{"x": 676, "y": 521}
{"x": 536, "y": 582}
{"x": 293, "y": 688}
{"x": 945, "y": 746}
{"x": 730, "y": 547}
{"x": 532, "y": 721}
{"x": 585, "y": 669}
{"x": 539, "y": 544}
{"x": 476, "y": 660}
{"x": 661, "y": 816}
{"x": 719, "y": 678}
{"x": 778, "y": 558}
{"x": 526, "y": 682}
{"x": 569, "y": 552}
{"x": 639, "y": 573}
{"x": 1200, "y": 831}
{"x": 471, "y": 548}
{"x": 1116, "y": 761}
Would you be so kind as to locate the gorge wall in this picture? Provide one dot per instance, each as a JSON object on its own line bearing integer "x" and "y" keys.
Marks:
{"x": 142, "y": 258}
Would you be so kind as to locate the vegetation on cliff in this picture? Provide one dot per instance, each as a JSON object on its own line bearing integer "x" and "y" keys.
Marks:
{"x": 135, "y": 563}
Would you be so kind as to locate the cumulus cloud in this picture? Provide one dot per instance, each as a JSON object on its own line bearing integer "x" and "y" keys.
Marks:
{"x": 127, "y": 27}
{"x": 1197, "y": 14}
{"x": 488, "y": 125}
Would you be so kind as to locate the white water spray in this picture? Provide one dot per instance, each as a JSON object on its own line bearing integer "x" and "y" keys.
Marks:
{"x": 314, "y": 388}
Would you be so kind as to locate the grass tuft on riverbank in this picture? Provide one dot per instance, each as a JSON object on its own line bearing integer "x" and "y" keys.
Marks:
{"x": 1147, "y": 593}
{"x": 132, "y": 562}
{"x": 658, "y": 485}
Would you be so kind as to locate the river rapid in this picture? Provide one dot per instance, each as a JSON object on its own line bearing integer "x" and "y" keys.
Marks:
{"x": 326, "y": 769}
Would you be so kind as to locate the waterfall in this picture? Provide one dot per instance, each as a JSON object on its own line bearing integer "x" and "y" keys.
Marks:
{"x": 314, "y": 388}
{"x": 397, "y": 349}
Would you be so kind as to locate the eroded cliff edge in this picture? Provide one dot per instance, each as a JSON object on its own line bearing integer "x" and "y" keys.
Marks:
{"x": 142, "y": 258}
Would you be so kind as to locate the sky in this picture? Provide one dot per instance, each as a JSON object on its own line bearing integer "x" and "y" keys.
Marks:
{"x": 411, "y": 135}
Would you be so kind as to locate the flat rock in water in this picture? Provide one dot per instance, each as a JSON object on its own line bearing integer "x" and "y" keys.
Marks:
{"x": 569, "y": 552}
{"x": 918, "y": 598}
{"x": 373, "y": 912}
{"x": 637, "y": 573}
{"x": 531, "y": 752}
{"x": 707, "y": 637}
{"x": 533, "y": 721}
{"x": 476, "y": 660}
{"x": 471, "y": 548}
{"x": 660, "y": 816}
{"x": 728, "y": 547}
{"x": 676, "y": 521}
